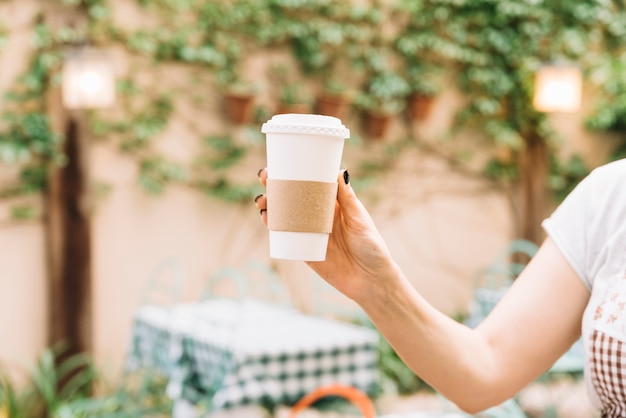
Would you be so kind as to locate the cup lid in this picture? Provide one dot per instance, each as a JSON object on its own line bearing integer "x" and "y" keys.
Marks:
{"x": 307, "y": 124}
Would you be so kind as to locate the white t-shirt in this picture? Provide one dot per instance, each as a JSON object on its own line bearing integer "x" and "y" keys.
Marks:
{"x": 589, "y": 228}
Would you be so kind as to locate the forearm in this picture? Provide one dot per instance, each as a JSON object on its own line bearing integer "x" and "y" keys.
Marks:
{"x": 451, "y": 357}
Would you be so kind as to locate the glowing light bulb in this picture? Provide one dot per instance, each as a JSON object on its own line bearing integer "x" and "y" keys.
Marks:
{"x": 88, "y": 80}
{"x": 557, "y": 89}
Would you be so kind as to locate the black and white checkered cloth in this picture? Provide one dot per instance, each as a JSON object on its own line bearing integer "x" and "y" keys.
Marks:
{"x": 233, "y": 353}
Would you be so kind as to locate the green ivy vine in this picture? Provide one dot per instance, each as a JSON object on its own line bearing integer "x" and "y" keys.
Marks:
{"x": 496, "y": 47}
{"x": 27, "y": 139}
{"x": 610, "y": 115}
{"x": 491, "y": 48}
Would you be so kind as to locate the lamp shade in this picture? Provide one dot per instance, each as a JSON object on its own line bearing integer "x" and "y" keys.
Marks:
{"x": 557, "y": 88}
{"x": 88, "y": 79}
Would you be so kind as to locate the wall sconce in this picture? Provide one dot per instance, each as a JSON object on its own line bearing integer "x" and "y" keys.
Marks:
{"x": 558, "y": 88}
{"x": 88, "y": 79}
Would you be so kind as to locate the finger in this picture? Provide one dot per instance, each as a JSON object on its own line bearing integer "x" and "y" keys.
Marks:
{"x": 349, "y": 204}
{"x": 261, "y": 202}
{"x": 345, "y": 194}
{"x": 262, "y": 174}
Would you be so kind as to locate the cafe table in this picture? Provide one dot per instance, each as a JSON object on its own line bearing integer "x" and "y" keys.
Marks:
{"x": 223, "y": 353}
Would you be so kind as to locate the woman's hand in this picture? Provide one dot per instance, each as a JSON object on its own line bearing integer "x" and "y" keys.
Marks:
{"x": 357, "y": 260}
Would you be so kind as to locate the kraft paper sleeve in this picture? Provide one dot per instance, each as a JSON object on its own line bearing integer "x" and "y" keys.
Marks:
{"x": 300, "y": 206}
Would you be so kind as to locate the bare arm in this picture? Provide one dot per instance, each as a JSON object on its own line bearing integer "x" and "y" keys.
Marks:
{"x": 537, "y": 320}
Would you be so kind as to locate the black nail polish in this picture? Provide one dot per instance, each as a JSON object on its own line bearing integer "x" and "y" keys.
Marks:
{"x": 346, "y": 177}
{"x": 262, "y": 210}
{"x": 258, "y": 197}
{"x": 259, "y": 173}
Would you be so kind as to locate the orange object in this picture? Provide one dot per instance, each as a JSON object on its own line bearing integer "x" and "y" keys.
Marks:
{"x": 358, "y": 398}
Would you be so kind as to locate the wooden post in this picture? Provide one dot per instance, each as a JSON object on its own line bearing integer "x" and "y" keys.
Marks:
{"x": 69, "y": 242}
{"x": 533, "y": 192}
{"x": 68, "y": 230}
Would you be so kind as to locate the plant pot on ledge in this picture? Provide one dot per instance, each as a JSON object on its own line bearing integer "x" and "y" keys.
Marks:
{"x": 239, "y": 107}
{"x": 377, "y": 125}
{"x": 419, "y": 106}
{"x": 293, "y": 108}
{"x": 383, "y": 97}
{"x": 333, "y": 105}
{"x": 293, "y": 99}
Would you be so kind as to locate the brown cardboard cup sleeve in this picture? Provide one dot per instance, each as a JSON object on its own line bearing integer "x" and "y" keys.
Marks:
{"x": 300, "y": 206}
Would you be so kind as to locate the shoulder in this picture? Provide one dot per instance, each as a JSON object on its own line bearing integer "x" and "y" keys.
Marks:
{"x": 601, "y": 187}
{"x": 611, "y": 173}
{"x": 590, "y": 219}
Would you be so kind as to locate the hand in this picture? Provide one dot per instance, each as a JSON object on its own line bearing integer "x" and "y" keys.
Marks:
{"x": 357, "y": 259}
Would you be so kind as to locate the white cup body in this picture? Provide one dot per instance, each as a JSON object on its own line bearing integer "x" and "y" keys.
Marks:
{"x": 307, "y": 148}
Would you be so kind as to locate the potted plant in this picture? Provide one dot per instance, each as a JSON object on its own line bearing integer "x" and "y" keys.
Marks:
{"x": 239, "y": 98}
{"x": 425, "y": 82}
{"x": 334, "y": 99}
{"x": 292, "y": 97}
{"x": 384, "y": 97}
{"x": 239, "y": 94}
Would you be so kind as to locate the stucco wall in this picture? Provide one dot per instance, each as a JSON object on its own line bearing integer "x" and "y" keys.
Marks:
{"x": 23, "y": 280}
{"x": 441, "y": 225}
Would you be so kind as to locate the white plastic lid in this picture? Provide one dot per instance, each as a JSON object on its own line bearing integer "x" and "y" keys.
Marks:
{"x": 307, "y": 124}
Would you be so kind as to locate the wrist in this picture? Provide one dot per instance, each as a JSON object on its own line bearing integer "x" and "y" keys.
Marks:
{"x": 383, "y": 286}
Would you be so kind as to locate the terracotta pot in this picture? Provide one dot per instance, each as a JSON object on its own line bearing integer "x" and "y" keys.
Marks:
{"x": 293, "y": 108}
{"x": 239, "y": 107}
{"x": 419, "y": 106}
{"x": 331, "y": 105}
{"x": 377, "y": 125}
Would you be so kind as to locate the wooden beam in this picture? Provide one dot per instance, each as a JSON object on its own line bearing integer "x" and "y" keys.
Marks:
{"x": 533, "y": 190}
{"x": 69, "y": 238}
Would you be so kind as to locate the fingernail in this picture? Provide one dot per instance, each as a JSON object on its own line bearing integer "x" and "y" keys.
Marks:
{"x": 346, "y": 177}
{"x": 258, "y": 197}
{"x": 259, "y": 173}
{"x": 262, "y": 210}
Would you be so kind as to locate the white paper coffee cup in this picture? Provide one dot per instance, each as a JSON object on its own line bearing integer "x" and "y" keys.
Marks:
{"x": 303, "y": 159}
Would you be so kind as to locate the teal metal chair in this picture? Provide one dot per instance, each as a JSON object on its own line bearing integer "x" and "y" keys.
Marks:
{"x": 227, "y": 282}
{"x": 164, "y": 285}
{"x": 253, "y": 280}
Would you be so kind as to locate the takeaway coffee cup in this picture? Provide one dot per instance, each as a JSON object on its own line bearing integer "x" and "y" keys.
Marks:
{"x": 303, "y": 160}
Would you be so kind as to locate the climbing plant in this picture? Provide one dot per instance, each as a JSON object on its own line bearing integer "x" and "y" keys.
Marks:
{"x": 491, "y": 48}
{"x": 27, "y": 138}
{"x": 496, "y": 47}
{"x": 610, "y": 115}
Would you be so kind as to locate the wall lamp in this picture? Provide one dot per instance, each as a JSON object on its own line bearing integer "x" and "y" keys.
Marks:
{"x": 88, "y": 79}
{"x": 558, "y": 88}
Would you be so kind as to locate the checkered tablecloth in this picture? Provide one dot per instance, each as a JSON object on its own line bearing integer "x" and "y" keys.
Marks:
{"x": 226, "y": 353}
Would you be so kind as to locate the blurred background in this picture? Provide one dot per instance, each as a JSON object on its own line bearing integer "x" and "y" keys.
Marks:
{"x": 130, "y": 142}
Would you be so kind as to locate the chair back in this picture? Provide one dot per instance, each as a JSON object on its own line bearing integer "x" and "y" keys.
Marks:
{"x": 254, "y": 280}
{"x": 164, "y": 285}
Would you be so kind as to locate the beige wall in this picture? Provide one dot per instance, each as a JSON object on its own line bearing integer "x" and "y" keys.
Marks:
{"x": 441, "y": 225}
{"x": 22, "y": 295}
{"x": 23, "y": 280}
